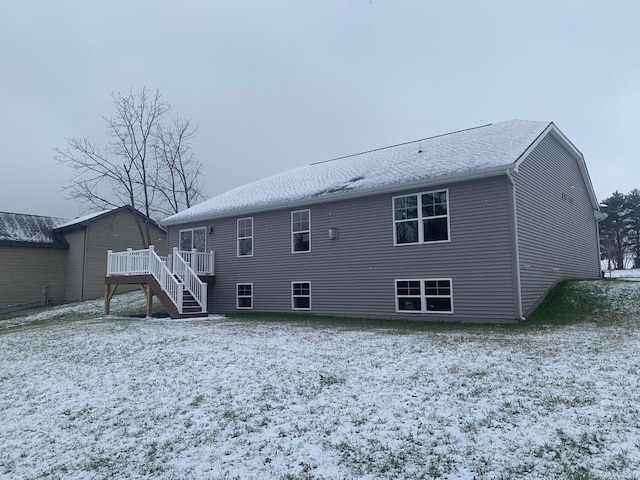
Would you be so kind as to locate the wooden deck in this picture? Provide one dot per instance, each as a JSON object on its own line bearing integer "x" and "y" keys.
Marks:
{"x": 150, "y": 287}
{"x": 179, "y": 280}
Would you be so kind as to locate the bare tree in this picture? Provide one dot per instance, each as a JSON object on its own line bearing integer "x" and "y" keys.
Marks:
{"x": 145, "y": 164}
{"x": 178, "y": 176}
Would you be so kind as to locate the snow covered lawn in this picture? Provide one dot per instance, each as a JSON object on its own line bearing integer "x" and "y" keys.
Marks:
{"x": 220, "y": 398}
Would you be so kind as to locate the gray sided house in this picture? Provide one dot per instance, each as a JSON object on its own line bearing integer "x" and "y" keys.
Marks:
{"x": 55, "y": 260}
{"x": 472, "y": 226}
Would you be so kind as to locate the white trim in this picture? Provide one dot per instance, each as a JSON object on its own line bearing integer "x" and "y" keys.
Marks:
{"x": 238, "y": 237}
{"x": 238, "y": 307}
{"x": 424, "y": 296}
{"x": 192, "y": 230}
{"x": 300, "y": 231}
{"x": 420, "y": 219}
{"x": 300, "y": 296}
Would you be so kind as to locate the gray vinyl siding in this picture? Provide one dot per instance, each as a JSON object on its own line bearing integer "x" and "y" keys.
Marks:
{"x": 354, "y": 275}
{"x": 557, "y": 236}
{"x": 27, "y": 270}
{"x": 75, "y": 264}
{"x": 116, "y": 232}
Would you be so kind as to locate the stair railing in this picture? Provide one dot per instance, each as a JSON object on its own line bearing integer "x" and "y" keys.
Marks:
{"x": 192, "y": 283}
{"x": 147, "y": 262}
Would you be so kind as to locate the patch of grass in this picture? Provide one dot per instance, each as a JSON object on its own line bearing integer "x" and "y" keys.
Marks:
{"x": 572, "y": 301}
{"x": 395, "y": 326}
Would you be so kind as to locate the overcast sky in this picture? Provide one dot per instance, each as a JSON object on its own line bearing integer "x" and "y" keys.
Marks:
{"x": 273, "y": 85}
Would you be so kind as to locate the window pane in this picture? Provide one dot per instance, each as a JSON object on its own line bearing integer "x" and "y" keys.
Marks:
{"x": 244, "y": 290}
{"x": 245, "y": 227}
{"x": 444, "y": 287}
{"x": 434, "y": 204}
{"x": 410, "y": 303}
{"x": 245, "y": 246}
{"x": 199, "y": 239}
{"x": 301, "y": 242}
{"x": 186, "y": 242}
{"x": 301, "y": 302}
{"x": 300, "y": 221}
{"x": 441, "y": 209}
{"x": 406, "y": 207}
{"x": 244, "y": 302}
{"x": 407, "y": 232}
{"x": 301, "y": 289}
{"x": 435, "y": 229}
{"x": 440, "y": 197}
{"x": 427, "y": 199}
{"x": 438, "y": 304}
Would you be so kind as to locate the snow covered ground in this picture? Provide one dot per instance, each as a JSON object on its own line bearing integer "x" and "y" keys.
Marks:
{"x": 226, "y": 398}
{"x": 631, "y": 274}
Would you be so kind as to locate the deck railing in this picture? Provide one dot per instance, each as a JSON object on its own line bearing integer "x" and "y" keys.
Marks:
{"x": 186, "y": 265}
{"x": 192, "y": 283}
{"x": 146, "y": 262}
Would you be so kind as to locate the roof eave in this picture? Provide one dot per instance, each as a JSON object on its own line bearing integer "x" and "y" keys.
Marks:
{"x": 348, "y": 195}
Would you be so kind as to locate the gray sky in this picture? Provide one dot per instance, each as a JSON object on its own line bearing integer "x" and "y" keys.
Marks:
{"x": 274, "y": 85}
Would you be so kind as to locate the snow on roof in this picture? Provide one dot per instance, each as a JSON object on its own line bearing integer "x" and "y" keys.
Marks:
{"x": 84, "y": 218}
{"x": 19, "y": 227}
{"x": 458, "y": 154}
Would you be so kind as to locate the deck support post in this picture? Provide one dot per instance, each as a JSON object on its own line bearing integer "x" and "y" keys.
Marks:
{"x": 109, "y": 292}
{"x": 148, "y": 295}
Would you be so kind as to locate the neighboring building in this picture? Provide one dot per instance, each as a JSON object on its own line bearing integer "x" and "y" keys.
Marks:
{"x": 472, "y": 226}
{"x": 54, "y": 260}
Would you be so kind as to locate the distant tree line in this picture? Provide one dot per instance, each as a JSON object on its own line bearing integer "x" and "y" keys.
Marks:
{"x": 620, "y": 231}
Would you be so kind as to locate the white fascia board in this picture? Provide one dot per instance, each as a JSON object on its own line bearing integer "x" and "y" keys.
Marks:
{"x": 304, "y": 202}
{"x": 575, "y": 153}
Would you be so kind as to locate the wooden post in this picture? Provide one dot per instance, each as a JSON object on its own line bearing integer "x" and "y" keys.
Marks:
{"x": 148, "y": 295}
{"x": 149, "y": 300}
{"x": 109, "y": 291}
{"x": 106, "y": 299}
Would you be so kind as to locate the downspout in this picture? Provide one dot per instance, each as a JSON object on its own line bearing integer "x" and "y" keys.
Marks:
{"x": 516, "y": 244}
{"x": 599, "y": 216}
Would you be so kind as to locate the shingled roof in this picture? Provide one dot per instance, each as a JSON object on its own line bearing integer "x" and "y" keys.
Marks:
{"x": 30, "y": 229}
{"x": 479, "y": 151}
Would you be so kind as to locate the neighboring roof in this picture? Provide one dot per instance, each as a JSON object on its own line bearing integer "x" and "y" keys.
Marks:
{"x": 482, "y": 151}
{"x": 84, "y": 218}
{"x": 33, "y": 229}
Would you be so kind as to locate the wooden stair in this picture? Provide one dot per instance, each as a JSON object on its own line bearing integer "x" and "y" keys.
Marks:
{"x": 190, "y": 307}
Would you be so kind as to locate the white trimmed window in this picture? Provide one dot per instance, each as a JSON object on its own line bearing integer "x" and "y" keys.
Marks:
{"x": 244, "y": 296}
{"x": 193, "y": 238}
{"x": 301, "y": 231}
{"x": 424, "y": 296}
{"x": 245, "y": 237}
{"x": 421, "y": 218}
{"x": 301, "y": 295}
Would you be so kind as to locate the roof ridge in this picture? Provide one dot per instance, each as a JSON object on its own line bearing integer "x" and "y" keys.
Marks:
{"x": 400, "y": 144}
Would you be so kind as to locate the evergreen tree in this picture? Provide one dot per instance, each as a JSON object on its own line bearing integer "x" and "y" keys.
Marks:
{"x": 614, "y": 230}
{"x": 633, "y": 221}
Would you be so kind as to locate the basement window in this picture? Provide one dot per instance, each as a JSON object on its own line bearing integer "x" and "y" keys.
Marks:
{"x": 244, "y": 296}
{"x": 424, "y": 296}
{"x": 301, "y": 295}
